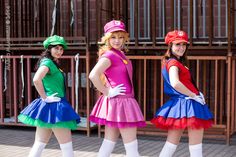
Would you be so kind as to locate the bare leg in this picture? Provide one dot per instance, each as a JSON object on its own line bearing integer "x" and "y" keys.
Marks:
{"x": 43, "y": 134}
{"x": 195, "y": 142}
{"x": 174, "y": 136}
{"x": 64, "y": 138}
{"x": 129, "y": 136}
{"x": 195, "y": 136}
{"x": 171, "y": 143}
{"x": 108, "y": 144}
{"x": 63, "y": 135}
{"x": 111, "y": 134}
{"x": 42, "y": 137}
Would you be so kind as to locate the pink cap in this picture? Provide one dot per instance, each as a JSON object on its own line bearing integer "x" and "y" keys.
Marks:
{"x": 113, "y": 26}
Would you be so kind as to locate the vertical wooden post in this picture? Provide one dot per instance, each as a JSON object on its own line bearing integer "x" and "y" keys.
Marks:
{"x": 145, "y": 89}
{"x": 172, "y": 14}
{"x": 191, "y": 23}
{"x": 153, "y": 22}
{"x": 1, "y": 92}
{"x": 72, "y": 82}
{"x": 15, "y": 97}
{"x": 88, "y": 65}
{"x": 136, "y": 22}
{"x": 229, "y": 59}
{"x": 29, "y": 78}
{"x": 210, "y": 19}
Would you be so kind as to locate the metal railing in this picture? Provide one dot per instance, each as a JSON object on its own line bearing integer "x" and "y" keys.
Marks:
{"x": 214, "y": 75}
{"x": 214, "y": 78}
{"x": 17, "y": 90}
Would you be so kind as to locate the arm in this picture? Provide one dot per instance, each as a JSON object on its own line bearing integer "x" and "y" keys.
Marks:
{"x": 39, "y": 75}
{"x": 97, "y": 71}
{"x": 176, "y": 84}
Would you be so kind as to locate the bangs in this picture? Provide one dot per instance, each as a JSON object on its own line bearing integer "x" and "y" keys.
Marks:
{"x": 118, "y": 33}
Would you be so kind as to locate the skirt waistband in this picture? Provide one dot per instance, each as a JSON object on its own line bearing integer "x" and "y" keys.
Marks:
{"x": 124, "y": 96}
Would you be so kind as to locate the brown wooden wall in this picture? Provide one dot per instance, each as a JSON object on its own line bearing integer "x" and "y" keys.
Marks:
{"x": 210, "y": 24}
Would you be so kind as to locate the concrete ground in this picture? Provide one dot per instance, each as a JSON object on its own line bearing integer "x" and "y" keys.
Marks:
{"x": 17, "y": 141}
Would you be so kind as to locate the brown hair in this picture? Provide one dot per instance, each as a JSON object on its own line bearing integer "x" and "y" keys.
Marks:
{"x": 47, "y": 54}
{"x": 183, "y": 59}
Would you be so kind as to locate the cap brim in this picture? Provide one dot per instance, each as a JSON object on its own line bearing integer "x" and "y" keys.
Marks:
{"x": 116, "y": 30}
{"x": 179, "y": 41}
{"x": 58, "y": 43}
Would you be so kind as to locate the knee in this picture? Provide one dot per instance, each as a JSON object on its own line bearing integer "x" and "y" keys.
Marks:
{"x": 43, "y": 139}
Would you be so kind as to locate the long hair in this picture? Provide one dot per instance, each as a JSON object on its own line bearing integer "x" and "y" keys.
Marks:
{"x": 47, "y": 54}
{"x": 106, "y": 46}
{"x": 168, "y": 55}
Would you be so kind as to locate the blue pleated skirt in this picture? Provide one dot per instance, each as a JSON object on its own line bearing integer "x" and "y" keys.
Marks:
{"x": 50, "y": 115}
{"x": 180, "y": 113}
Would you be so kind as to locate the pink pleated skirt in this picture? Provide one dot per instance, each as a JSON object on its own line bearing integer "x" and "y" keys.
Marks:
{"x": 118, "y": 112}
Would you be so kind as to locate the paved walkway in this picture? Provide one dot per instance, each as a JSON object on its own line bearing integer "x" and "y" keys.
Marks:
{"x": 16, "y": 142}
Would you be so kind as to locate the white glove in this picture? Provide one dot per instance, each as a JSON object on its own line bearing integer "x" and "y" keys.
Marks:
{"x": 197, "y": 98}
{"x": 52, "y": 98}
{"x": 117, "y": 90}
{"x": 202, "y": 97}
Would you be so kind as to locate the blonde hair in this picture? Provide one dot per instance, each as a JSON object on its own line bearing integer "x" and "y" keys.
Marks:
{"x": 106, "y": 45}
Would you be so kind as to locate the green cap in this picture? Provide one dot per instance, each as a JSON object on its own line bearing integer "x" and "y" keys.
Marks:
{"x": 54, "y": 40}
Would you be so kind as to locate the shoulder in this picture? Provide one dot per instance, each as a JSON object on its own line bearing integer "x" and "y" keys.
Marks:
{"x": 46, "y": 61}
{"x": 108, "y": 54}
{"x": 172, "y": 62}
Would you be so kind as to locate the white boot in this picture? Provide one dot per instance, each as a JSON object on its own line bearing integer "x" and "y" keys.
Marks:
{"x": 195, "y": 150}
{"x": 106, "y": 148}
{"x": 37, "y": 149}
{"x": 67, "y": 149}
{"x": 168, "y": 149}
{"x": 132, "y": 149}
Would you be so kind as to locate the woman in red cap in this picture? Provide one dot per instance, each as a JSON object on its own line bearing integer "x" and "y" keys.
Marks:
{"x": 51, "y": 112}
{"x": 117, "y": 108}
{"x": 186, "y": 108}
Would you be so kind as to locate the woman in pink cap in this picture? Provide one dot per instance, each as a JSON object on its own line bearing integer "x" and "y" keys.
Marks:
{"x": 186, "y": 108}
{"x": 117, "y": 108}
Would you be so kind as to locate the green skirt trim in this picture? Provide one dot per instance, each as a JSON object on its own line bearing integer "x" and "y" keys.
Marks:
{"x": 36, "y": 122}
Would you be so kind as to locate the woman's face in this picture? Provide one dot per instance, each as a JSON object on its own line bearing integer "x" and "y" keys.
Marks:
{"x": 57, "y": 52}
{"x": 179, "y": 49}
{"x": 116, "y": 41}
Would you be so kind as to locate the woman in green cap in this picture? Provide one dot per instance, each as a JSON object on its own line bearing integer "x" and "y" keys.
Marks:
{"x": 51, "y": 112}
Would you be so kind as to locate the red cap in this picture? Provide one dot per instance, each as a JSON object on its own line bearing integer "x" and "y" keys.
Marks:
{"x": 176, "y": 36}
{"x": 114, "y": 25}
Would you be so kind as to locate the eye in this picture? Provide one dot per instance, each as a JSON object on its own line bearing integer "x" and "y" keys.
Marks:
{"x": 59, "y": 48}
